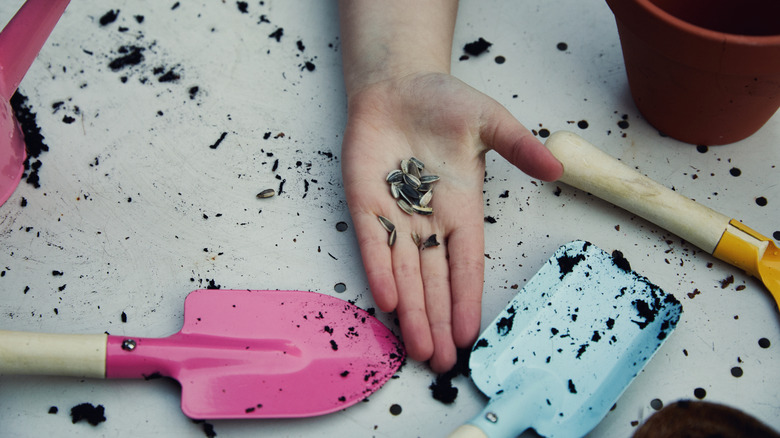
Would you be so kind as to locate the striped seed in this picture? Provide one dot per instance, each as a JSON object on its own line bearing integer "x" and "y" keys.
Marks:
{"x": 267, "y": 193}
{"x": 386, "y": 224}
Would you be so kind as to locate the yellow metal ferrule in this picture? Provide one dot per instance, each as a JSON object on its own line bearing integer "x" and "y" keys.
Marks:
{"x": 742, "y": 247}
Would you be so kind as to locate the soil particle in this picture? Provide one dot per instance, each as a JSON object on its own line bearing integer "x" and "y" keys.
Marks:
{"x": 504, "y": 325}
{"x": 572, "y": 388}
{"x": 566, "y": 263}
{"x": 481, "y": 343}
{"x": 726, "y": 282}
{"x": 208, "y": 428}
{"x": 109, "y": 17}
{"x": 170, "y": 76}
{"x": 620, "y": 261}
{"x": 130, "y": 55}
{"x": 441, "y": 388}
{"x": 219, "y": 141}
{"x": 93, "y": 415}
{"x": 477, "y": 48}
{"x": 277, "y": 34}
{"x": 32, "y": 138}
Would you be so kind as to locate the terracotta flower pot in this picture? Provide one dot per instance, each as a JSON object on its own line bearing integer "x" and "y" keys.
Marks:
{"x": 702, "y": 71}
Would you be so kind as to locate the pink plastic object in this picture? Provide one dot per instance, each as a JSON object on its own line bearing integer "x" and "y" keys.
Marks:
{"x": 264, "y": 354}
{"x": 20, "y": 42}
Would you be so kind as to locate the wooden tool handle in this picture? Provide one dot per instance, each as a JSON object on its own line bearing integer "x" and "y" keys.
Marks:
{"x": 468, "y": 431}
{"x": 24, "y": 353}
{"x": 590, "y": 169}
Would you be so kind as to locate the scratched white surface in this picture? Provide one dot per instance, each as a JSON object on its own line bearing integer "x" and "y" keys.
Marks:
{"x": 136, "y": 210}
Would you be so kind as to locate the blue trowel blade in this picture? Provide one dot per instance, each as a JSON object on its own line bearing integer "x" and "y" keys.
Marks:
{"x": 562, "y": 352}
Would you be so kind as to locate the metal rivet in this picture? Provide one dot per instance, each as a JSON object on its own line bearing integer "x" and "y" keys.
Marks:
{"x": 491, "y": 417}
{"x": 128, "y": 345}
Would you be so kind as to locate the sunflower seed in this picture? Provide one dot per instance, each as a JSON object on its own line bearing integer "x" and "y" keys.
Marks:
{"x": 395, "y": 190}
{"x": 417, "y": 239}
{"x": 386, "y": 224}
{"x": 405, "y": 166}
{"x": 405, "y": 206}
{"x": 413, "y": 170}
{"x": 394, "y": 176}
{"x": 422, "y": 210}
{"x": 410, "y": 194}
{"x": 391, "y": 238}
{"x": 417, "y": 163}
{"x": 412, "y": 180}
{"x": 430, "y": 242}
{"x": 427, "y": 179}
{"x": 426, "y": 198}
{"x": 267, "y": 193}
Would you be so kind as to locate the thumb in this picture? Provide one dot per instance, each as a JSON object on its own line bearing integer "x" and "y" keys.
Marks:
{"x": 503, "y": 133}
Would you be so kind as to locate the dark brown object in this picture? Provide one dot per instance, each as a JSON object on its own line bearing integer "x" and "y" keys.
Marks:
{"x": 702, "y": 71}
{"x": 695, "y": 419}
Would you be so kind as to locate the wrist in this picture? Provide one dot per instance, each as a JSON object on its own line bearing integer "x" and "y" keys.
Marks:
{"x": 391, "y": 75}
{"x": 383, "y": 41}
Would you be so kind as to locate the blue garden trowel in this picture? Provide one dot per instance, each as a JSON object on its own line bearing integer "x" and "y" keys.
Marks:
{"x": 563, "y": 351}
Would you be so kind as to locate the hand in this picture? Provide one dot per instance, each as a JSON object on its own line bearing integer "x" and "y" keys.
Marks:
{"x": 449, "y": 126}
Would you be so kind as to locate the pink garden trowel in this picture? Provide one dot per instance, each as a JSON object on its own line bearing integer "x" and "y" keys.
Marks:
{"x": 20, "y": 42}
{"x": 240, "y": 354}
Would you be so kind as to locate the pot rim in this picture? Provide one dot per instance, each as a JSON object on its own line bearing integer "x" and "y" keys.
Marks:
{"x": 702, "y": 32}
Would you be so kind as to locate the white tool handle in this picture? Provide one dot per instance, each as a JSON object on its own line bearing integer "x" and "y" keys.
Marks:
{"x": 468, "y": 431}
{"x": 590, "y": 169}
{"x": 23, "y": 353}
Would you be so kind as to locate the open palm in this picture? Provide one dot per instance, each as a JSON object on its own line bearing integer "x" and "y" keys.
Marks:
{"x": 448, "y": 126}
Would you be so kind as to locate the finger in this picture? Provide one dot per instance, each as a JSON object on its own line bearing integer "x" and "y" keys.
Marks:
{"x": 438, "y": 302}
{"x": 513, "y": 141}
{"x": 377, "y": 260}
{"x": 415, "y": 328}
{"x": 467, "y": 270}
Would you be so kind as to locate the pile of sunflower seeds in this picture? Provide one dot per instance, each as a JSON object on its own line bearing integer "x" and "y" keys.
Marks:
{"x": 412, "y": 190}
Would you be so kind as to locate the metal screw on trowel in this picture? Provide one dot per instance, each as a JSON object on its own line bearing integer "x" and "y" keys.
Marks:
{"x": 491, "y": 417}
{"x": 128, "y": 345}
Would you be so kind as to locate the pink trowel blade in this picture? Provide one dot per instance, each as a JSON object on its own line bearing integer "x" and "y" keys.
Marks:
{"x": 265, "y": 354}
{"x": 20, "y": 42}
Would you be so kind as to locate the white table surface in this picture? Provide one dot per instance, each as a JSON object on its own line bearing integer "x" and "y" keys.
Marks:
{"x": 136, "y": 210}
